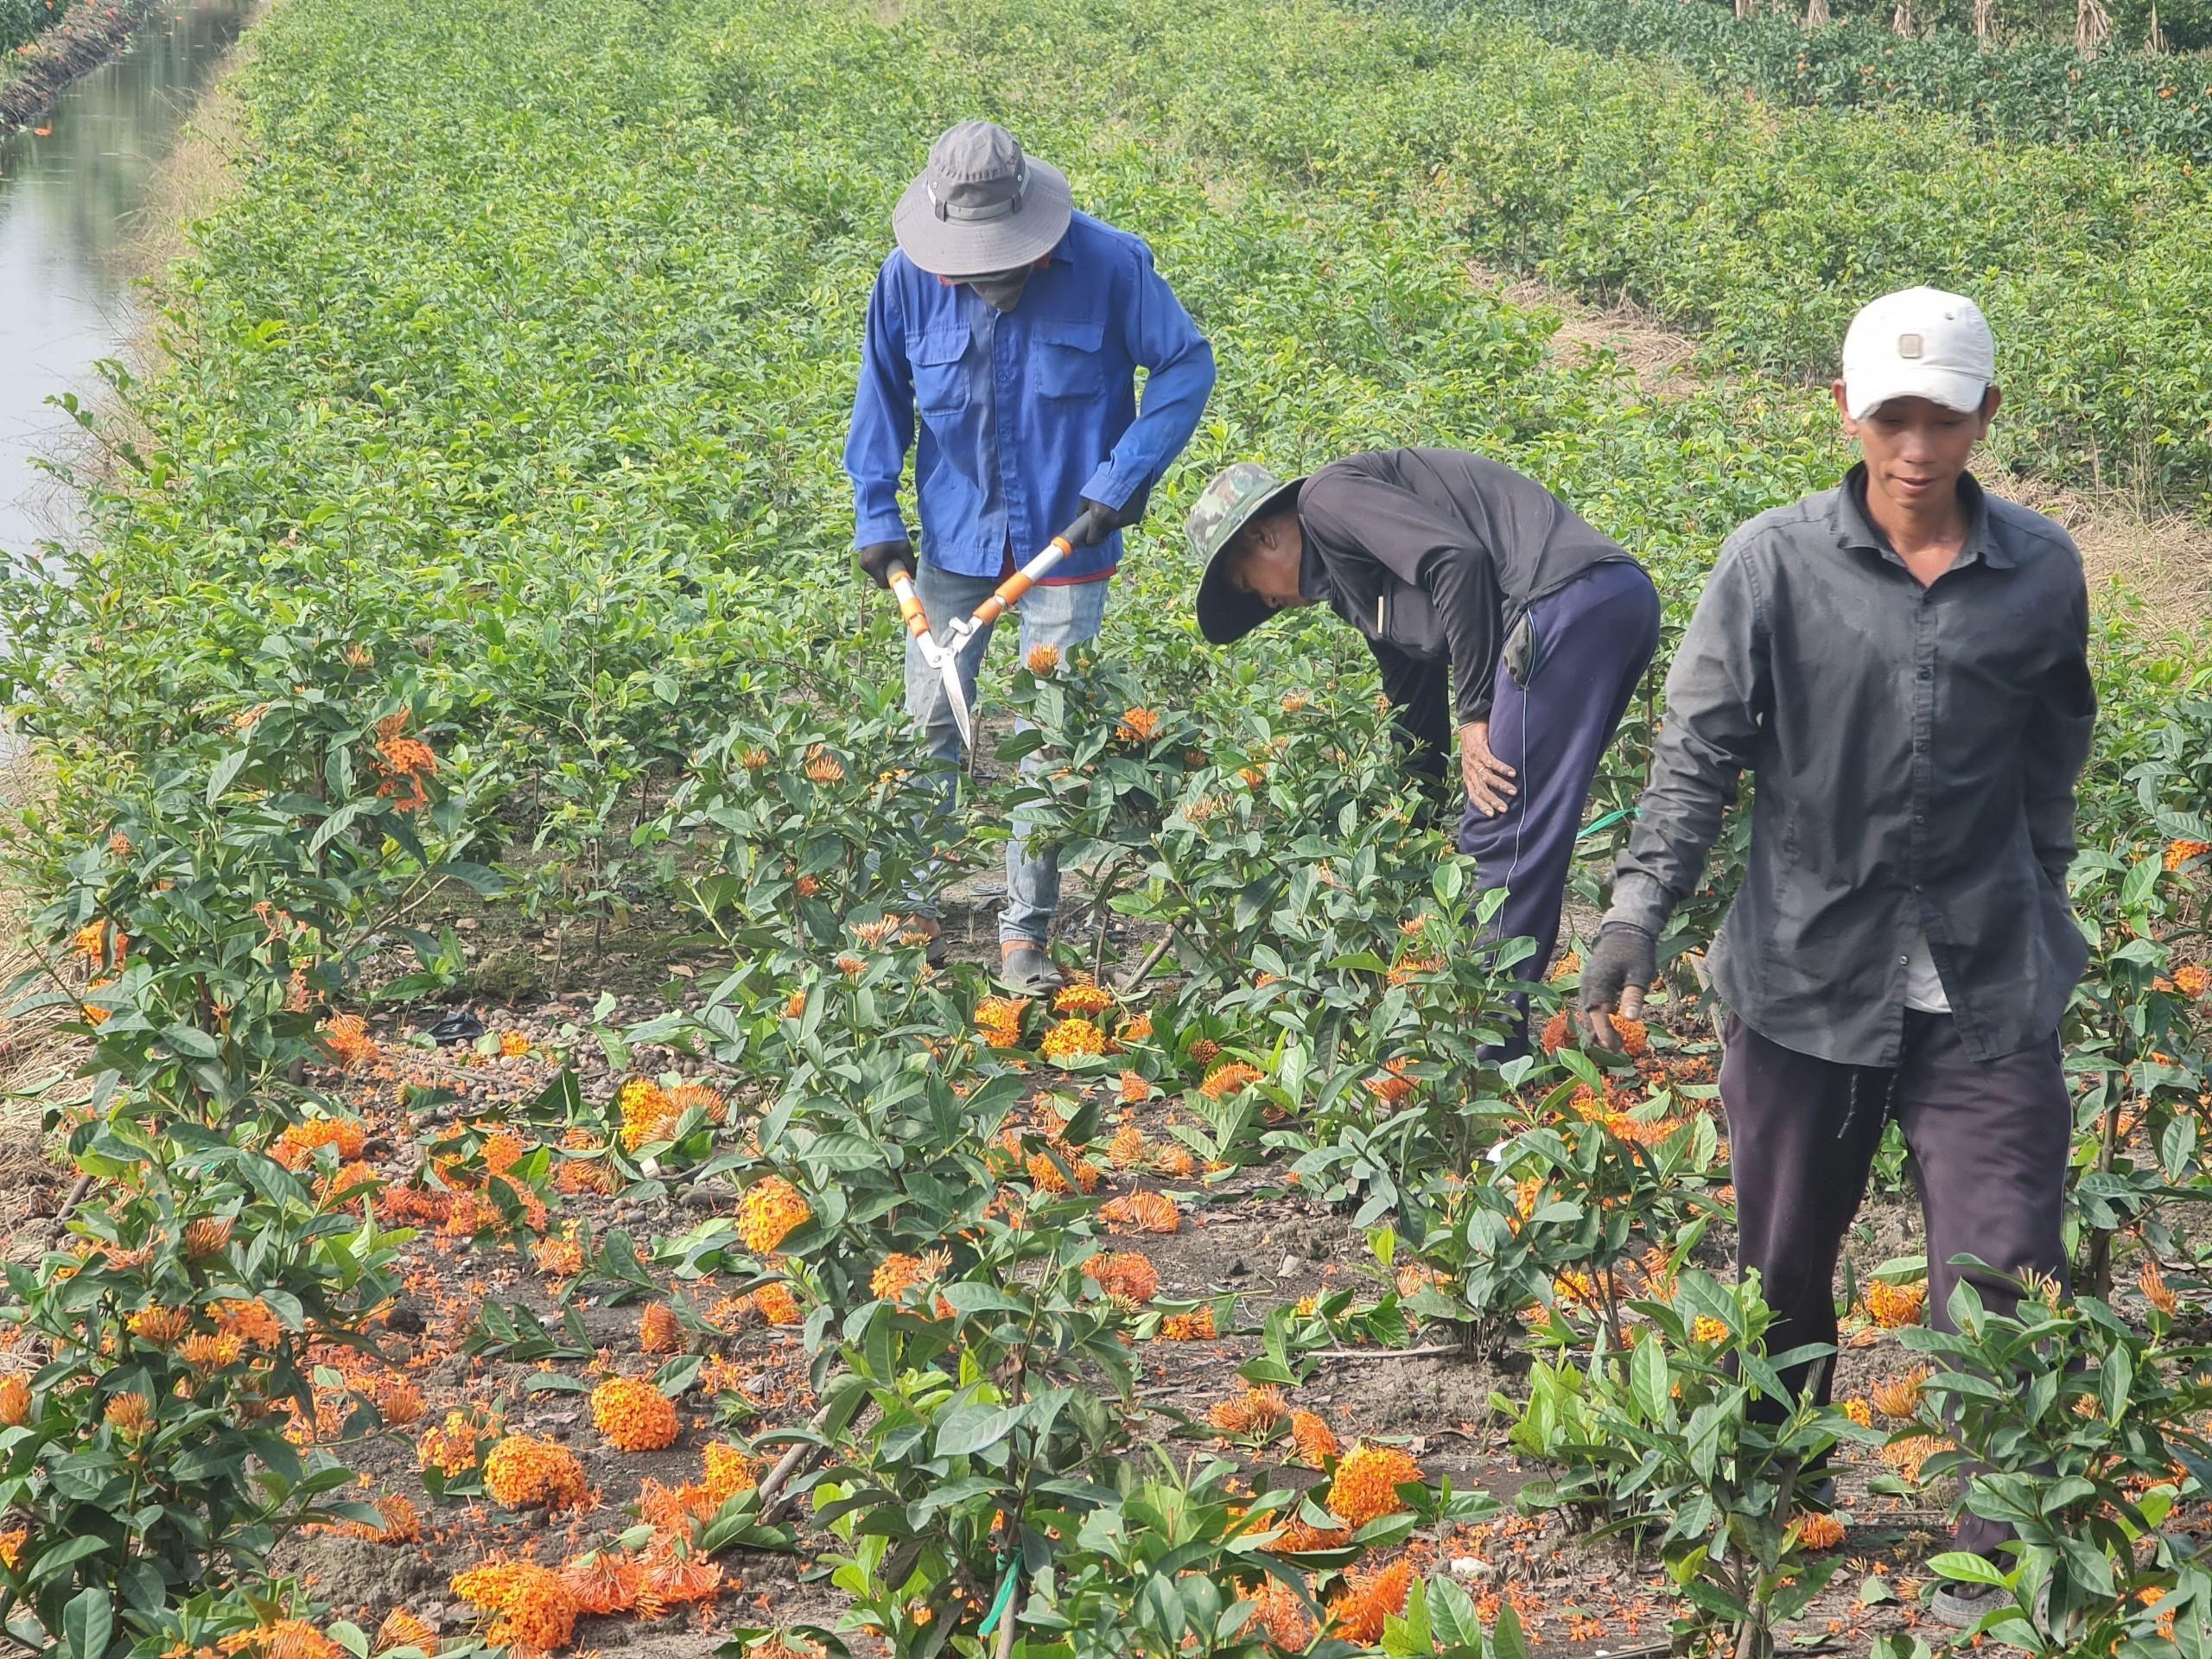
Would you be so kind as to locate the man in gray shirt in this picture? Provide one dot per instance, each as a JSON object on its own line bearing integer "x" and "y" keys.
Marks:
{"x": 1475, "y": 587}
{"x": 1901, "y": 663}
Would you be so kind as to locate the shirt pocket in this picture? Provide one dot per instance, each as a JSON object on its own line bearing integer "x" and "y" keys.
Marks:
{"x": 1067, "y": 357}
{"x": 1405, "y": 617}
{"x": 940, "y": 379}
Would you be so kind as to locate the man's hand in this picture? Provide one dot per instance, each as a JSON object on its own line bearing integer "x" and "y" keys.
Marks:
{"x": 1624, "y": 960}
{"x": 879, "y": 558}
{"x": 1487, "y": 776}
{"x": 1100, "y": 521}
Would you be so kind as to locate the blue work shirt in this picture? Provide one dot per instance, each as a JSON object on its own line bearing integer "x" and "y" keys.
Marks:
{"x": 1027, "y": 414}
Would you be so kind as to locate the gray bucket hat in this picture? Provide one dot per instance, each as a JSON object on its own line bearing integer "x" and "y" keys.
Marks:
{"x": 1239, "y": 494}
{"x": 981, "y": 206}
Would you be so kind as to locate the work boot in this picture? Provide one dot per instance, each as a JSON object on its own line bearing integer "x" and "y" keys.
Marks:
{"x": 1023, "y": 967}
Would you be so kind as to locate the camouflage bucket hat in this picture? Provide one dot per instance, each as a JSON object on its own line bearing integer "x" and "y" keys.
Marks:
{"x": 1238, "y": 494}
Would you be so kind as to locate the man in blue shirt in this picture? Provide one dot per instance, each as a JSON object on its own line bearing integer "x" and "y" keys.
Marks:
{"x": 1011, "y": 328}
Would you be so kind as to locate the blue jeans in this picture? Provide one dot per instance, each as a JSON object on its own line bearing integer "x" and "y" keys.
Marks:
{"x": 1061, "y": 617}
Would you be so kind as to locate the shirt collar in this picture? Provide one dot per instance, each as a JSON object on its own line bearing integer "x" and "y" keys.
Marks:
{"x": 1855, "y": 527}
{"x": 1312, "y": 569}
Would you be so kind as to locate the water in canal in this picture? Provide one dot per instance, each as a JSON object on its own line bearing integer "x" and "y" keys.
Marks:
{"x": 70, "y": 202}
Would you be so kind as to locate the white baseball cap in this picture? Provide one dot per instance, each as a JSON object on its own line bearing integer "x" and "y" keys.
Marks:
{"x": 1919, "y": 342}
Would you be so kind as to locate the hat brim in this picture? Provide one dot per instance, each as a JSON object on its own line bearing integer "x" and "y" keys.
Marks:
{"x": 1226, "y": 612}
{"x": 963, "y": 247}
{"x": 1951, "y": 388}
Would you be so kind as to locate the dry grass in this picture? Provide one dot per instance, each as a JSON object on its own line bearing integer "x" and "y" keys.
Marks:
{"x": 1658, "y": 358}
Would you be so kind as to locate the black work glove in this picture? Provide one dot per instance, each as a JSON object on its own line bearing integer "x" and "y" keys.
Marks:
{"x": 1100, "y": 521}
{"x": 1624, "y": 960}
{"x": 879, "y": 558}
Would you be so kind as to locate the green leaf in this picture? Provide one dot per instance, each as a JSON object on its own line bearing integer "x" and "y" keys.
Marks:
{"x": 966, "y": 1430}
{"x": 226, "y": 771}
{"x": 87, "y": 1622}
{"x": 1964, "y": 1566}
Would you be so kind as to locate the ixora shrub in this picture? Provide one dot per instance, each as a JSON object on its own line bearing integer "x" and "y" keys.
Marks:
{"x": 167, "y": 1439}
{"x": 1690, "y": 1438}
{"x": 2081, "y": 1433}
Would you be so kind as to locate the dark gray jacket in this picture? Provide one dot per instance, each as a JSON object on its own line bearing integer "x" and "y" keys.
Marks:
{"x": 1433, "y": 554}
{"x": 1915, "y": 752}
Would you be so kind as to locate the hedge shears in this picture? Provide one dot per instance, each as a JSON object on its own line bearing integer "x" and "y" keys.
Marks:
{"x": 943, "y": 654}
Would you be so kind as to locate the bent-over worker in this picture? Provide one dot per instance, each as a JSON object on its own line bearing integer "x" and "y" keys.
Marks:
{"x": 1009, "y": 328}
{"x": 1901, "y": 663}
{"x": 1475, "y": 587}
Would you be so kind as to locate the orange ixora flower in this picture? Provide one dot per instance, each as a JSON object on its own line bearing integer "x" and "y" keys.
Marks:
{"x": 15, "y": 1402}
{"x": 633, "y": 1415}
{"x": 1042, "y": 659}
{"x": 1141, "y": 1212}
{"x": 1137, "y": 726}
{"x": 130, "y": 1415}
{"x": 895, "y": 1275}
{"x": 1391, "y": 1085}
{"x": 999, "y": 1018}
{"x": 1083, "y": 998}
{"x": 1369, "y": 1600}
{"x": 658, "y": 1330}
{"x": 209, "y": 1236}
{"x": 1906, "y": 1456}
{"x": 1176, "y": 1161}
{"x": 1817, "y": 1532}
{"x": 513, "y": 1044}
{"x": 1899, "y": 1397}
{"x": 404, "y": 761}
{"x": 399, "y": 1401}
{"x": 164, "y": 1327}
{"x": 1282, "y": 1616}
{"x": 1256, "y": 1411}
{"x": 1232, "y": 1078}
{"x": 823, "y": 767}
{"x": 296, "y": 1146}
{"x": 1126, "y": 1276}
{"x": 92, "y": 942}
{"x": 1705, "y": 1328}
{"x": 2156, "y": 1291}
{"x": 1891, "y": 1306}
{"x": 771, "y": 1210}
{"x": 2179, "y": 853}
{"x": 1128, "y": 1147}
{"x": 522, "y": 1472}
{"x": 1315, "y": 1442}
{"x": 11, "y": 1544}
{"x": 1045, "y": 1174}
{"x": 1072, "y": 1039}
{"x": 402, "y": 1629}
{"x": 776, "y": 1305}
{"x": 1859, "y": 1411}
{"x": 1367, "y": 1481}
{"x": 533, "y": 1608}
{"x": 211, "y": 1350}
{"x": 2193, "y": 980}
{"x": 346, "y": 1037}
{"x": 1196, "y": 1325}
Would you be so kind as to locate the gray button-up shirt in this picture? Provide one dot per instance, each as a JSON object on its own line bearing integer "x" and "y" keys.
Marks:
{"x": 1915, "y": 750}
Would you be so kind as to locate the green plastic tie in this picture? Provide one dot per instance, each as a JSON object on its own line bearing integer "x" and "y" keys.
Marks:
{"x": 1005, "y": 1597}
{"x": 1605, "y": 822}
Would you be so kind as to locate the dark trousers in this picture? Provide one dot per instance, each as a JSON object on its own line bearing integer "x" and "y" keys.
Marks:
{"x": 1593, "y": 639}
{"x": 1989, "y": 1140}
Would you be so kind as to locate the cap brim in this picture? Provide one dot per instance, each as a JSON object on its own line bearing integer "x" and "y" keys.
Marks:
{"x": 1953, "y": 389}
{"x": 1226, "y": 612}
{"x": 960, "y": 247}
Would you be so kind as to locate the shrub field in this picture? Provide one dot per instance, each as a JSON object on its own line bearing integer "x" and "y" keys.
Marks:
{"x": 469, "y": 625}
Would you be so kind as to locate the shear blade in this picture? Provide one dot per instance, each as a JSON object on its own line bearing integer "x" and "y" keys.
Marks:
{"x": 949, "y": 667}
